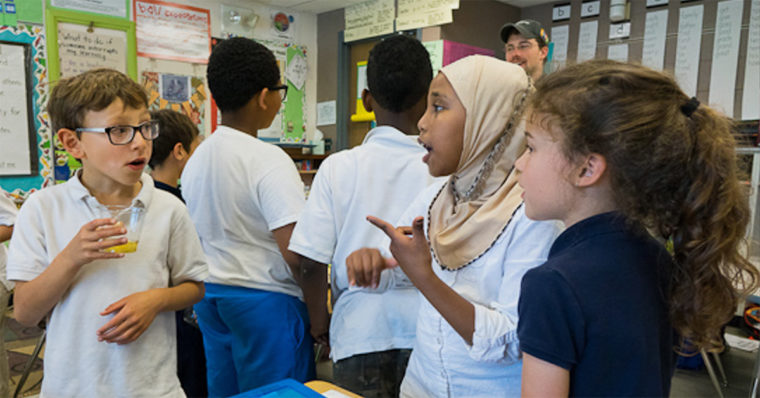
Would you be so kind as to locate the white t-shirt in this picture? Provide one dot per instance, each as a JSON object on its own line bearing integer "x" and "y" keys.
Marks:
{"x": 168, "y": 253}
{"x": 381, "y": 177}
{"x": 238, "y": 189}
{"x": 442, "y": 363}
{"x": 8, "y": 213}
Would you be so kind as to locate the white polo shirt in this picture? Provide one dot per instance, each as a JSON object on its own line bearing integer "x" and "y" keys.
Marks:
{"x": 8, "y": 213}
{"x": 238, "y": 189}
{"x": 168, "y": 253}
{"x": 381, "y": 177}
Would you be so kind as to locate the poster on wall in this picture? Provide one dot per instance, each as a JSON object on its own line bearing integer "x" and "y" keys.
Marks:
{"x": 172, "y": 31}
{"x": 17, "y": 136}
{"x": 560, "y": 37}
{"x": 184, "y": 94}
{"x": 282, "y": 26}
{"x": 725, "y": 57}
{"x": 751, "y": 92}
{"x": 114, "y": 8}
{"x": 587, "y": 40}
{"x": 687, "y": 49}
{"x": 367, "y": 19}
{"x": 81, "y": 48}
{"x": 655, "y": 31}
{"x": 19, "y": 187}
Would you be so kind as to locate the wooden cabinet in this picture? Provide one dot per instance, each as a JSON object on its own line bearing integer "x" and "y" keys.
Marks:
{"x": 307, "y": 164}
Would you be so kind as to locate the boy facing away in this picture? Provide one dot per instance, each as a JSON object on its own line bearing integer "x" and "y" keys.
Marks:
{"x": 244, "y": 196}
{"x": 371, "y": 334}
{"x": 111, "y": 330}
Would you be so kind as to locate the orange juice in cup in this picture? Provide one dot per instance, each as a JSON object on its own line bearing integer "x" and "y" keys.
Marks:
{"x": 131, "y": 218}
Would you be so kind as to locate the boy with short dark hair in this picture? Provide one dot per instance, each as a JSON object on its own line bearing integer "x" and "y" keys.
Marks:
{"x": 59, "y": 254}
{"x": 171, "y": 150}
{"x": 371, "y": 334}
{"x": 244, "y": 196}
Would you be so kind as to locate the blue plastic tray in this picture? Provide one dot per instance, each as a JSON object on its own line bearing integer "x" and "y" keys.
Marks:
{"x": 287, "y": 388}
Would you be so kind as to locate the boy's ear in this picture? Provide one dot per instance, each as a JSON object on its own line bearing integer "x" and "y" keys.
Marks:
{"x": 71, "y": 143}
{"x": 367, "y": 100}
{"x": 179, "y": 151}
{"x": 262, "y": 98}
{"x": 591, "y": 170}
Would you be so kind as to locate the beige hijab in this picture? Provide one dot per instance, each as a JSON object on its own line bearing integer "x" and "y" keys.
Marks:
{"x": 475, "y": 206}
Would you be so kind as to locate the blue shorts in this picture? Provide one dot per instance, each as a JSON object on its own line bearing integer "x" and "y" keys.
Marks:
{"x": 252, "y": 338}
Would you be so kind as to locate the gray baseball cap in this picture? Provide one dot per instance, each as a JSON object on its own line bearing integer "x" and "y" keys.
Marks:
{"x": 528, "y": 28}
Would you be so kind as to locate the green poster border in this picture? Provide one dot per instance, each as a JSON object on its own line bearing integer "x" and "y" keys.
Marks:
{"x": 127, "y": 2}
{"x": 54, "y": 16}
{"x": 294, "y": 104}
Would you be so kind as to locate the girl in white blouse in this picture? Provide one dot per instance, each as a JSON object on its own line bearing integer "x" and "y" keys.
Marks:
{"x": 470, "y": 251}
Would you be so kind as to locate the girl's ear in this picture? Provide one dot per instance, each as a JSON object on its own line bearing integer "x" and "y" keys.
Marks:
{"x": 71, "y": 143}
{"x": 591, "y": 170}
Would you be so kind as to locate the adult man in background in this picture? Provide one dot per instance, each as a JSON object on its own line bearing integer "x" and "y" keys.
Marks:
{"x": 526, "y": 44}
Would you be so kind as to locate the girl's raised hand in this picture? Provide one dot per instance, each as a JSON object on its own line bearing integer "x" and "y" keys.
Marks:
{"x": 411, "y": 253}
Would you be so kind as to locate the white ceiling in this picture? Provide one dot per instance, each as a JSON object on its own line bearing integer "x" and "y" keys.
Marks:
{"x": 320, "y": 6}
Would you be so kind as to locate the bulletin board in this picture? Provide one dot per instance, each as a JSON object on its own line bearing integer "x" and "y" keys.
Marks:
{"x": 188, "y": 99}
{"x": 290, "y": 123}
{"x": 294, "y": 124}
{"x": 39, "y": 129}
{"x": 86, "y": 41}
{"x": 102, "y": 31}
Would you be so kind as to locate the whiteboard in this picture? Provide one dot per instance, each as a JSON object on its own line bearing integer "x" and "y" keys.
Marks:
{"x": 80, "y": 50}
{"x": 16, "y": 154}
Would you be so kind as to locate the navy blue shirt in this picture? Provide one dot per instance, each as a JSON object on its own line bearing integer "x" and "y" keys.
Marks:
{"x": 598, "y": 308}
{"x": 168, "y": 188}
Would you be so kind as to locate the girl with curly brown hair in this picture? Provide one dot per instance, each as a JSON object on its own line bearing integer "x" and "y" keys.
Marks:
{"x": 627, "y": 161}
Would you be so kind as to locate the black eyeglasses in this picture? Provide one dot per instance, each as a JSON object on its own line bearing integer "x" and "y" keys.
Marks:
{"x": 283, "y": 93}
{"x": 123, "y": 135}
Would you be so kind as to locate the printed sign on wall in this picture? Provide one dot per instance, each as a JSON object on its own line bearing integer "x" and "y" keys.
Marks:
{"x": 172, "y": 31}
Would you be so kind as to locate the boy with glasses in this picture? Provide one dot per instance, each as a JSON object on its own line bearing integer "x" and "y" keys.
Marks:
{"x": 244, "y": 196}
{"x": 111, "y": 330}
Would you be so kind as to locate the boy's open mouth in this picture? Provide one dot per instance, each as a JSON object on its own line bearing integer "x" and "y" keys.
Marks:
{"x": 424, "y": 145}
{"x": 137, "y": 163}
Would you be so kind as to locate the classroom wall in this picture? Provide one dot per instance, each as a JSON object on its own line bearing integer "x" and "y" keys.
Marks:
{"x": 329, "y": 26}
{"x": 305, "y": 34}
{"x": 478, "y": 23}
{"x": 638, "y": 10}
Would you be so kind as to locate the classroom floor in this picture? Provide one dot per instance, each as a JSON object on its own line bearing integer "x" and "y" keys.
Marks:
{"x": 738, "y": 364}
{"x": 19, "y": 344}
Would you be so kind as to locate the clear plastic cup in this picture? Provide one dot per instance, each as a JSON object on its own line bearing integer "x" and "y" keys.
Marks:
{"x": 131, "y": 217}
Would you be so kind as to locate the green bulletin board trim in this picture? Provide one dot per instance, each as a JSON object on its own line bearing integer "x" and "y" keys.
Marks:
{"x": 293, "y": 125}
{"x": 29, "y": 11}
{"x": 57, "y": 15}
{"x": 126, "y": 2}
